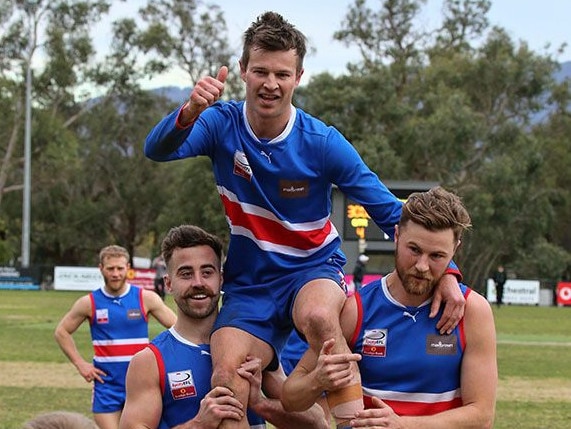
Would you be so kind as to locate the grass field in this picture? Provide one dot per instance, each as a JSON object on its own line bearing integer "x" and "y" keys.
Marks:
{"x": 534, "y": 358}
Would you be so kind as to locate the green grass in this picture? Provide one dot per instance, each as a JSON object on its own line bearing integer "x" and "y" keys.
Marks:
{"x": 18, "y": 404}
{"x": 534, "y": 355}
{"x": 532, "y": 415}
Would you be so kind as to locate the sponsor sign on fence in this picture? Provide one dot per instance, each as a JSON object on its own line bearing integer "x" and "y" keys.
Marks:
{"x": 524, "y": 292}
{"x": 564, "y": 293}
{"x": 90, "y": 278}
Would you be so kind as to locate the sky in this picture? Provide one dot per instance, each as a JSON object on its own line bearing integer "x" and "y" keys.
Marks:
{"x": 539, "y": 23}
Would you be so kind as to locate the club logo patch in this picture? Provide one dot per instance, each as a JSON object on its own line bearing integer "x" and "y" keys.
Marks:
{"x": 375, "y": 342}
{"x": 181, "y": 384}
{"x": 134, "y": 314}
{"x": 242, "y": 166}
{"x": 102, "y": 315}
{"x": 441, "y": 344}
{"x": 294, "y": 188}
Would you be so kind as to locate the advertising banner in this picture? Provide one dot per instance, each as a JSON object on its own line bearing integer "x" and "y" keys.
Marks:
{"x": 524, "y": 292}
{"x": 564, "y": 293}
{"x": 90, "y": 278}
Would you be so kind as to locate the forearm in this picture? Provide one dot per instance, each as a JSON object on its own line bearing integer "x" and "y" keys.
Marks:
{"x": 165, "y": 138}
{"x": 69, "y": 349}
{"x": 273, "y": 411}
{"x": 300, "y": 392}
{"x": 454, "y": 270}
{"x": 465, "y": 417}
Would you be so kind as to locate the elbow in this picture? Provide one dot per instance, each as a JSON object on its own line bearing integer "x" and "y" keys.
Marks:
{"x": 149, "y": 152}
{"x": 484, "y": 420}
{"x": 488, "y": 421}
{"x": 59, "y": 335}
{"x": 287, "y": 403}
{"x": 292, "y": 405}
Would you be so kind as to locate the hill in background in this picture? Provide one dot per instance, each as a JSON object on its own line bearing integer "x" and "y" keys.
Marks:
{"x": 180, "y": 95}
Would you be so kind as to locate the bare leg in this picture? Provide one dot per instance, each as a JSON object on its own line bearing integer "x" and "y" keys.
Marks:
{"x": 107, "y": 420}
{"x": 320, "y": 323}
{"x": 229, "y": 348}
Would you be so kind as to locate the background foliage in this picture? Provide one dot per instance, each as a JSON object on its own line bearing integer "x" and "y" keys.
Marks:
{"x": 462, "y": 104}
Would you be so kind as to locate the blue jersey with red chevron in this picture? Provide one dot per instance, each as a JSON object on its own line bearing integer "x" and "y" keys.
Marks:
{"x": 276, "y": 194}
{"x": 405, "y": 361}
{"x": 185, "y": 369}
{"x": 277, "y": 199}
{"x": 119, "y": 329}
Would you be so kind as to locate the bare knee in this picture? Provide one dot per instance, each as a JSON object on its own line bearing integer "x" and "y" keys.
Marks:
{"x": 224, "y": 374}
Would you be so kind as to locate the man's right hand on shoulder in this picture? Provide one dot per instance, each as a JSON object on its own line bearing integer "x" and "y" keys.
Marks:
{"x": 205, "y": 93}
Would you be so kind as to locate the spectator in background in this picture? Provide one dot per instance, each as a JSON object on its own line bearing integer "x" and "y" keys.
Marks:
{"x": 359, "y": 271}
{"x": 500, "y": 278}
{"x": 60, "y": 420}
{"x": 160, "y": 271}
{"x": 118, "y": 316}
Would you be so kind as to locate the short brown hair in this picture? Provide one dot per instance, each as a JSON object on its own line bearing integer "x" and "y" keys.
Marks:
{"x": 60, "y": 420}
{"x": 184, "y": 236}
{"x": 113, "y": 251}
{"x": 271, "y": 32}
{"x": 436, "y": 209}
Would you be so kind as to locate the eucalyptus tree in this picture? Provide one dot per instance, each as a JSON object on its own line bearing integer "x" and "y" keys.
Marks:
{"x": 51, "y": 39}
{"x": 188, "y": 36}
{"x": 456, "y": 104}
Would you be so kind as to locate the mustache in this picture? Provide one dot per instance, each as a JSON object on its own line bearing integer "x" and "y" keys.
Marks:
{"x": 197, "y": 291}
{"x": 419, "y": 275}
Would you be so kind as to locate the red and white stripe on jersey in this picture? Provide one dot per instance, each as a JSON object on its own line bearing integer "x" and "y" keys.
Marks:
{"x": 273, "y": 234}
{"x": 415, "y": 404}
{"x": 118, "y": 350}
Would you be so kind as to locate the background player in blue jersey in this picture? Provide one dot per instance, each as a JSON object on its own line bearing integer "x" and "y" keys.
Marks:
{"x": 118, "y": 315}
{"x": 168, "y": 383}
{"x": 275, "y": 167}
{"x": 412, "y": 375}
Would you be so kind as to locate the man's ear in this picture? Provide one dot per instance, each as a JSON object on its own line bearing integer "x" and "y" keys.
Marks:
{"x": 298, "y": 77}
{"x": 167, "y": 282}
{"x": 396, "y": 233}
{"x": 242, "y": 70}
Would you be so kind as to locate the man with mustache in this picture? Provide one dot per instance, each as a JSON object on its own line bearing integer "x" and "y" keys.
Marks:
{"x": 275, "y": 167}
{"x": 168, "y": 383}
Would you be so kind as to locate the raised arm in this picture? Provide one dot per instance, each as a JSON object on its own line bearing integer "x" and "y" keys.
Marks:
{"x": 170, "y": 133}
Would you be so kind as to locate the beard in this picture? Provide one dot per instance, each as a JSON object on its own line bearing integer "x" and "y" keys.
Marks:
{"x": 193, "y": 311}
{"x": 413, "y": 281}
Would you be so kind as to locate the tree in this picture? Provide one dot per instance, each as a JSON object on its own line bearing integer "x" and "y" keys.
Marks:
{"x": 191, "y": 36}
{"x": 59, "y": 29}
{"x": 455, "y": 105}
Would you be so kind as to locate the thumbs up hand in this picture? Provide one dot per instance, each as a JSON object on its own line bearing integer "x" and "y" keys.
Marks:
{"x": 205, "y": 93}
